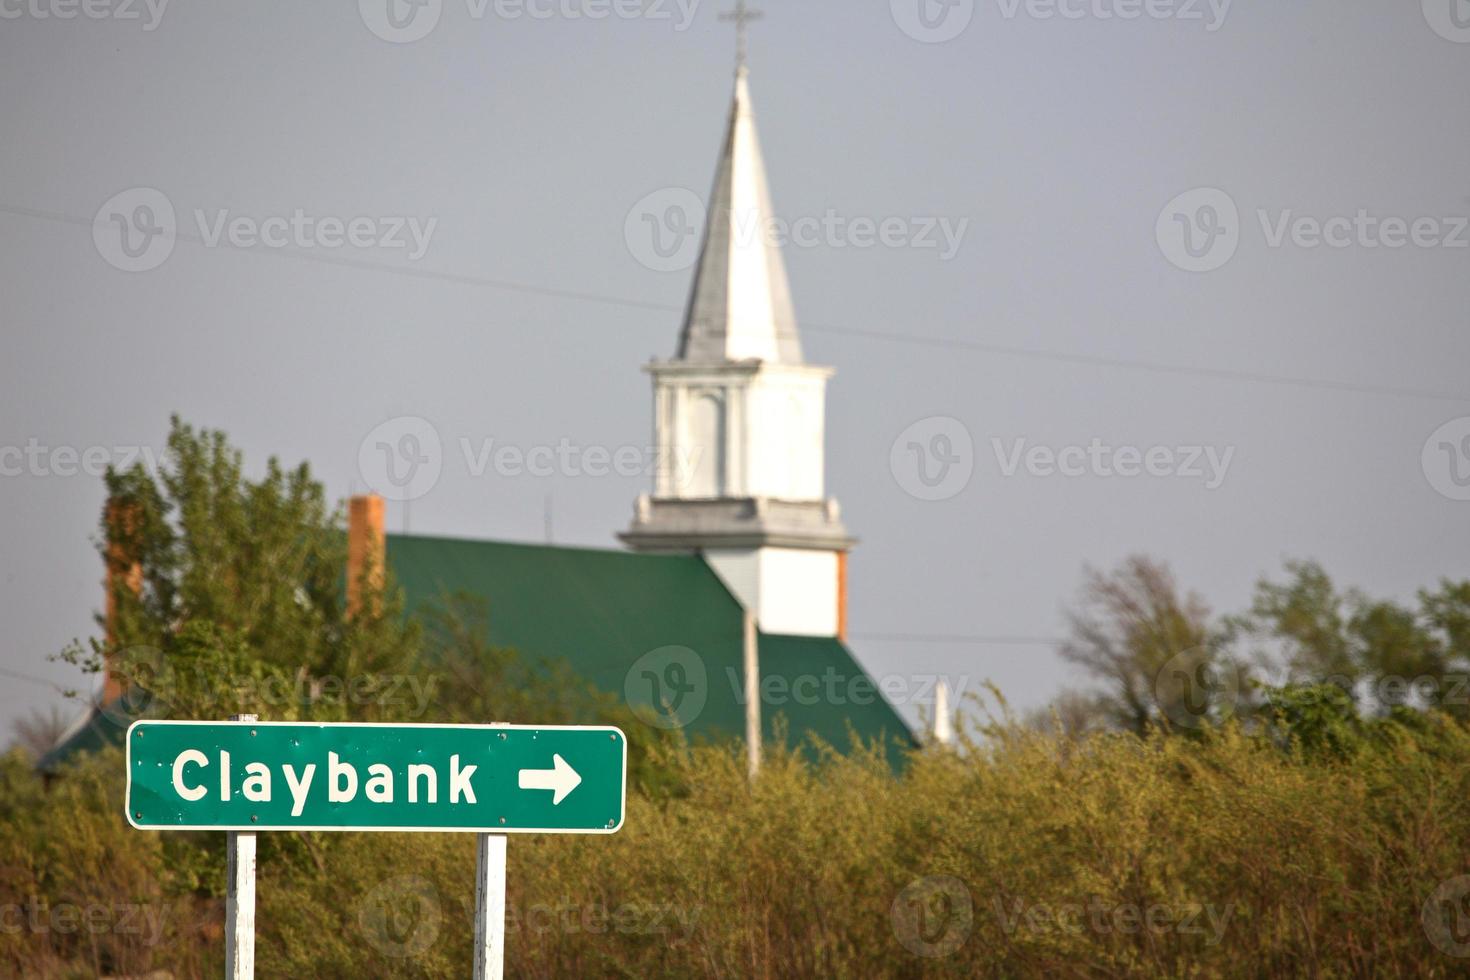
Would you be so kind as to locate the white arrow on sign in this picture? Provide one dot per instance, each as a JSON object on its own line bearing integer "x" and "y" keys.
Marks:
{"x": 561, "y": 779}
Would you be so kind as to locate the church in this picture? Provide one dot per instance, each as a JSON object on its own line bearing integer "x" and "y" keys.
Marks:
{"x": 726, "y": 615}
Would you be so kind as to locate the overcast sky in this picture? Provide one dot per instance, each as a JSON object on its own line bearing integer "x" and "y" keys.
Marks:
{"x": 525, "y": 142}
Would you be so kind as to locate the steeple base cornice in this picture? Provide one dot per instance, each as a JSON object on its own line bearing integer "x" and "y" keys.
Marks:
{"x": 667, "y": 524}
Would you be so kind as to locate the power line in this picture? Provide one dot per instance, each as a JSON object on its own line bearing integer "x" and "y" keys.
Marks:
{"x": 1224, "y": 374}
{"x": 950, "y": 343}
{"x": 977, "y": 639}
{"x": 32, "y": 679}
{"x": 368, "y": 266}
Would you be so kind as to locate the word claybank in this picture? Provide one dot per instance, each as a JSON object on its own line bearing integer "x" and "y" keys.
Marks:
{"x": 341, "y": 781}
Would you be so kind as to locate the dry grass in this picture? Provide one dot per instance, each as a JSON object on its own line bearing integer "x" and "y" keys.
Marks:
{"x": 1027, "y": 855}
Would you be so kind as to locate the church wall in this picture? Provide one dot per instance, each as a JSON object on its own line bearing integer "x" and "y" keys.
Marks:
{"x": 792, "y": 590}
{"x": 798, "y": 592}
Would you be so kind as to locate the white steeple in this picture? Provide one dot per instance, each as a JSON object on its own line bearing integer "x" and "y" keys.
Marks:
{"x": 740, "y": 306}
{"x": 739, "y": 417}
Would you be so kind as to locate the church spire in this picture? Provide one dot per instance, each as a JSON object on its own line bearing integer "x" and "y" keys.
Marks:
{"x": 740, "y": 418}
{"x": 740, "y": 305}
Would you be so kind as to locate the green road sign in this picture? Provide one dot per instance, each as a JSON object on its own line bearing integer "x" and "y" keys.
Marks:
{"x": 203, "y": 775}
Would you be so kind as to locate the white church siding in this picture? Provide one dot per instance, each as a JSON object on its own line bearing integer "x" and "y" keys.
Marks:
{"x": 793, "y": 591}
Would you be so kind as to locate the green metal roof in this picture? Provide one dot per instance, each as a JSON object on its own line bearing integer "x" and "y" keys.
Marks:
{"x": 96, "y": 729}
{"x": 600, "y": 611}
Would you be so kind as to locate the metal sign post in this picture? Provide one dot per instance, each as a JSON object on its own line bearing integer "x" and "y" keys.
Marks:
{"x": 240, "y": 898}
{"x": 490, "y": 908}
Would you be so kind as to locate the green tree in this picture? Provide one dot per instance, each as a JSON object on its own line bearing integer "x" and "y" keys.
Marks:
{"x": 1384, "y": 654}
{"x": 242, "y": 604}
{"x": 1149, "y": 648}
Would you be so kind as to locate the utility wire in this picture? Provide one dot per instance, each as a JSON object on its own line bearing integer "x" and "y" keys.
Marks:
{"x": 947, "y": 343}
{"x": 32, "y": 679}
{"x": 962, "y": 638}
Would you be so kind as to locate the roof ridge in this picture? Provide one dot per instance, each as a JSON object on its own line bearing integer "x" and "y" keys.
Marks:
{"x": 537, "y": 545}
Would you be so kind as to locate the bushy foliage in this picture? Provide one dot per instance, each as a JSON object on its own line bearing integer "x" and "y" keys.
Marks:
{"x": 1020, "y": 854}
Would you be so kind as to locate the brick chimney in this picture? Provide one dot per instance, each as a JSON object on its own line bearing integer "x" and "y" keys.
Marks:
{"x": 123, "y": 570}
{"x": 366, "y": 548}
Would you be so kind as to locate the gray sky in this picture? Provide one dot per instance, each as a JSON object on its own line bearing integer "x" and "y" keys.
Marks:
{"x": 530, "y": 139}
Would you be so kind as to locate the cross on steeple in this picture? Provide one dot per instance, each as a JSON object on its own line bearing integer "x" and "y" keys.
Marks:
{"x": 740, "y": 17}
